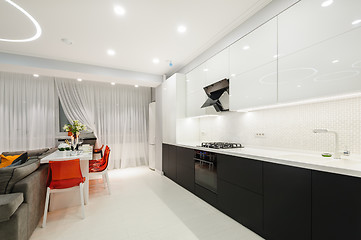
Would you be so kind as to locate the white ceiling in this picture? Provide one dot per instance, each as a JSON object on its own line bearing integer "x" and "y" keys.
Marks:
{"x": 147, "y": 30}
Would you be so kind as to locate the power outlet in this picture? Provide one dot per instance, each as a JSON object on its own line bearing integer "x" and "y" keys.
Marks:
{"x": 260, "y": 135}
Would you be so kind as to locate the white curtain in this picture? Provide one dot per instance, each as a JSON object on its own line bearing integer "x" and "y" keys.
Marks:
{"x": 27, "y": 112}
{"x": 118, "y": 115}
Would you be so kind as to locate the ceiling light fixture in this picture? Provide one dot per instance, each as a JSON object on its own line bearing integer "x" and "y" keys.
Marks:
{"x": 79, "y": 79}
{"x": 233, "y": 75}
{"x": 111, "y": 52}
{"x": 119, "y": 10}
{"x": 327, "y": 3}
{"x": 136, "y": 86}
{"x": 335, "y": 61}
{"x": 112, "y": 83}
{"x": 182, "y": 29}
{"x": 35, "y": 75}
{"x": 246, "y": 47}
{"x": 206, "y": 69}
{"x": 36, "y": 24}
{"x": 356, "y": 22}
{"x": 155, "y": 60}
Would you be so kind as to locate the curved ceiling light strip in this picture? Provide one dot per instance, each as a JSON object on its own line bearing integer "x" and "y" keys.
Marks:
{"x": 36, "y": 24}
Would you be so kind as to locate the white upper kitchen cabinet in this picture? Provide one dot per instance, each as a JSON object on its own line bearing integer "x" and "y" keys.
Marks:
{"x": 195, "y": 95}
{"x": 217, "y": 67}
{"x": 319, "y": 50}
{"x": 173, "y": 105}
{"x": 253, "y": 68}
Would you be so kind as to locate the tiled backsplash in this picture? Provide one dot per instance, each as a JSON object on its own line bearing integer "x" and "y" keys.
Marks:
{"x": 287, "y": 127}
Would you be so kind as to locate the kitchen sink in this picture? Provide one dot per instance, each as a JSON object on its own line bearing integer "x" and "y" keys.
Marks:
{"x": 307, "y": 158}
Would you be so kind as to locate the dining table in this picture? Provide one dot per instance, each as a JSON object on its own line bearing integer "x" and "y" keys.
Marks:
{"x": 68, "y": 199}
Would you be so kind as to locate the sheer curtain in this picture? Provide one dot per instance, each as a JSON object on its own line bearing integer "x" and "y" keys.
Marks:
{"x": 27, "y": 112}
{"x": 119, "y": 114}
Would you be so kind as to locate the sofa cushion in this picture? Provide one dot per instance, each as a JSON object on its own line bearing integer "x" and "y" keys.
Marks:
{"x": 50, "y": 151}
{"x": 8, "y": 205}
{"x": 37, "y": 152}
{"x": 11, "y": 175}
{"x": 31, "y": 153}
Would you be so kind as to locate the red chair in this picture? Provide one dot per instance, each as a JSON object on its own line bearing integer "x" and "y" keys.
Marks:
{"x": 64, "y": 176}
{"x": 100, "y": 167}
{"x": 98, "y": 150}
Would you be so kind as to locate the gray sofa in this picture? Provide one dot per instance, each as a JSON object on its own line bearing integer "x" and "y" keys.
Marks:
{"x": 22, "y": 195}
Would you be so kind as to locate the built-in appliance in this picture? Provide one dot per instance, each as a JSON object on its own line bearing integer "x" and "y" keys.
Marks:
{"x": 221, "y": 145}
{"x": 218, "y": 95}
{"x": 205, "y": 169}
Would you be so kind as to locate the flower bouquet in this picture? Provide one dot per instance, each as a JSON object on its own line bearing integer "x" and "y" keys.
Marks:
{"x": 74, "y": 131}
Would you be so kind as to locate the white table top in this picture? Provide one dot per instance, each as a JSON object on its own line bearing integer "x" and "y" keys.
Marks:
{"x": 65, "y": 155}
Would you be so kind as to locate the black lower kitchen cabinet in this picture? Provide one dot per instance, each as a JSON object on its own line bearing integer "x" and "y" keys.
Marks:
{"x": 172, "y": 162}
{"x": 165, "y": 162}
{"x": 287, "y": 202}
{"x": 169, "y": 161}
{"x": 185, "y": 168}
{"x": 242, "y": 205}
{"x": 207, "y": 195}
{"x": 336, "y": 206}
{"x": 243, "y": 172}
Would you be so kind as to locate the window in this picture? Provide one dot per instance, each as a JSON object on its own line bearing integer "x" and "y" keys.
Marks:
{"x": 62, "y": 118}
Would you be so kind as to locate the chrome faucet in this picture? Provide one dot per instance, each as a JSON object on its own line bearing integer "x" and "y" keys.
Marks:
{"x": 337, "y": 152}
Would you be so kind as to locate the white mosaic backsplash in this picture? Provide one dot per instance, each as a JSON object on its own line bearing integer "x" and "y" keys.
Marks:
{"x": 287, "y": 127}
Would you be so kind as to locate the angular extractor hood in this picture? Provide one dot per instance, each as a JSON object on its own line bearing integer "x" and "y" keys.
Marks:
{"x": 218, "y": 95}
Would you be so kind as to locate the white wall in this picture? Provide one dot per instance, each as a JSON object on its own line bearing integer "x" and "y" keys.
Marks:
{"x": 288, "y": 127}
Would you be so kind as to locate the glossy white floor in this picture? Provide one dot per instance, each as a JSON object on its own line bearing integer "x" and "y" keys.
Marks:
{"x": 143, "y": 205}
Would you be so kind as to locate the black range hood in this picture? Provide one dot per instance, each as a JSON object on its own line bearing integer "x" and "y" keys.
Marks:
{"x": 218, "y": 95}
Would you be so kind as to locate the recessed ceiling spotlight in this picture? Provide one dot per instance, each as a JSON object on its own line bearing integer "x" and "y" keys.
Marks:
{"x": 67, "y": 41}
{"x": 275, "y": 56}
{"x": 36, "y": 24}
{"x": 327, "y": 3}
{"x": 206, "y": 69}
{"x": 111, "y": 52}
{"x": 182, "y": 29}
{"x": 112, "y": 83}
{"x": 335, "y": 61}
{"x": 35, "y": 75}
{"x": 233, "y": 75}
{"x": 246, "y": 47}
{"x": 79, "y": 79}
{"x": 155, "y": 60}
{"x": 299, "y": 86}
{"x": 119, "y": 10}
{"x": 356, "y": 22}
{"x": 136, "y": 86}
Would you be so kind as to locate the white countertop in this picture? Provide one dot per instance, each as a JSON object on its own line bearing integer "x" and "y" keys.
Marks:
{"x": 66, "y": 155}
{"x": 347, "y": 165}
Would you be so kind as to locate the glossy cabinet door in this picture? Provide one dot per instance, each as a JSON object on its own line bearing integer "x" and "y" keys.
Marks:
{"x": 173, "y": 105}
{"x": 287, "y": 202}
{"x": 195, "y": 95}
{"x": 336, "y": 212}
{"x": 318, "y": 50}
{"x": 217, "y": 67}
{"x": 169, "y": 110}
{"x": 253, "y": 68}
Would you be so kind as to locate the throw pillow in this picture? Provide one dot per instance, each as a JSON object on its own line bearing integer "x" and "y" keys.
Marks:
{"x": 7, "y": 160}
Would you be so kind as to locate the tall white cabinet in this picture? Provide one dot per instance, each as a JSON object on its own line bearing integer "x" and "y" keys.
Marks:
{"x": 173, "y": 105}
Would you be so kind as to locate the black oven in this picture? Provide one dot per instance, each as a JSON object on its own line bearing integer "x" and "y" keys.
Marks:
{"x": 205, "y": 170}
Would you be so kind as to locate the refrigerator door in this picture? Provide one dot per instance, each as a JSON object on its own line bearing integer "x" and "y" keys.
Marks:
{"x": 152, "y": 156}
{"x": 151, "y": 133}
